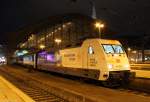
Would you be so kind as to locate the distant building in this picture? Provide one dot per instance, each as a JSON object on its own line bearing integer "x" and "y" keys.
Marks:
{"x": 70, "y": 29}
{"x": 135, "y": 56}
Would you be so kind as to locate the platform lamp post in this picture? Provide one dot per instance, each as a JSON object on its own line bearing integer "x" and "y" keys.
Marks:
{"x": 129, "y": 51}
{"x": 99, "y": 26}
{"x": 58, "y": 41}
{"x": 42, "y": 46}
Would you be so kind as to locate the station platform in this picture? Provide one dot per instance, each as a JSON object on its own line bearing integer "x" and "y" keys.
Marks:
{"x": 10, "y": 93}
{"x": 142, "y": 70}
{"x": 142, "y": 73}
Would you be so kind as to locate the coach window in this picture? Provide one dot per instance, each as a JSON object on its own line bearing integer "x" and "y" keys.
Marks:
{"x": 90, "y": 50}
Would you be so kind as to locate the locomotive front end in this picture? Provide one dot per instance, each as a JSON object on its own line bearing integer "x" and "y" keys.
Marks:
{"x": 117, "y": 62}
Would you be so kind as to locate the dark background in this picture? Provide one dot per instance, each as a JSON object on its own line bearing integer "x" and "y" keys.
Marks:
{"x": 125, "y": 17}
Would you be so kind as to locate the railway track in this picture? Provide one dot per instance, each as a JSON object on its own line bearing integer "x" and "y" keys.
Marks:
{"x": 128, "y": 89}
{"x": 34, "y": 89}
{"x": 140, "y": 93}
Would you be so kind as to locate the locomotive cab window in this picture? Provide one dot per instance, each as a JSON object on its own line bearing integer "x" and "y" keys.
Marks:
{"x": 117, "y": 49}
{"x": 91, "y": 50}
{"x": 108, "y": 48}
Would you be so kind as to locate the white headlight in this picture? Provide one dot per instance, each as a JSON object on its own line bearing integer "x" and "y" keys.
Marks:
{"x": 127, "y": 66}
{"x": 110, "y": 66}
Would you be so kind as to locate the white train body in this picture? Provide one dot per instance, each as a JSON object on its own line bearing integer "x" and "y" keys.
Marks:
{"x": 94, "y": 60}
{"x": 97, "y": 59}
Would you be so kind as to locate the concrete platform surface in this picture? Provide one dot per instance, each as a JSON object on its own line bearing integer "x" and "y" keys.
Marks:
{"x": 9, "y": 93}
{"x": 142, "y": 73}
{"x": 142, "y": 70}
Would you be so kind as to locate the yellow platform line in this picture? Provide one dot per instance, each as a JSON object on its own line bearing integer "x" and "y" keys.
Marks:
{"x": 18, "y": 92}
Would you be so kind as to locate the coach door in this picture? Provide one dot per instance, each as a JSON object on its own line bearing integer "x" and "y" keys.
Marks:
{"x": 35, "y": 61}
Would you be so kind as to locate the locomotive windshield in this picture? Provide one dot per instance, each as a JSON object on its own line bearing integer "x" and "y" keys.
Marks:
{"x": 109, "y": 48}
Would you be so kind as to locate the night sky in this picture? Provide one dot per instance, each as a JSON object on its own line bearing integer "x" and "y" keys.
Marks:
{"x": 123, "y": 16}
